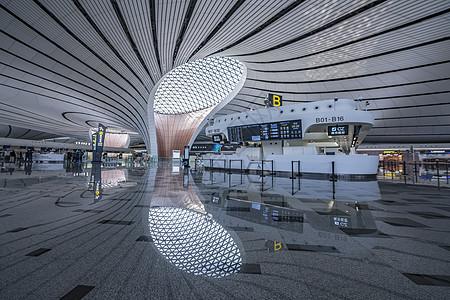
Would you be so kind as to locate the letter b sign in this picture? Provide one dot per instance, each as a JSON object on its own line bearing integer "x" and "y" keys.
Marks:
{"x": 275, "y": 100}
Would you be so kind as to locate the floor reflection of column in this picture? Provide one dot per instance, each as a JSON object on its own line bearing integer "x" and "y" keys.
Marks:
{"x": 169, "y": 191}
{"x": 184, "y": 233}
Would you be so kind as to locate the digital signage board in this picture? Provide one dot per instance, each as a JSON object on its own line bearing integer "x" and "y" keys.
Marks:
{"x": 251, "y": 133}
{"x": 284, "y": 130}
{"x": 217, "y": 138}
{"x": 337, "y": 130}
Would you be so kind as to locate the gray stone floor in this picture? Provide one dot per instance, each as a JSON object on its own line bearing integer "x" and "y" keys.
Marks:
{"x": 201, "y": 235}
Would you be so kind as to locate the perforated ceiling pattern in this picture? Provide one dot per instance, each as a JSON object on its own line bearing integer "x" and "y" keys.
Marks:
{"x": 197, "y": 85}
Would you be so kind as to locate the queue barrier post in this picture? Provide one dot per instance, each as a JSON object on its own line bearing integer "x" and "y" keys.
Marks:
{"x": 437, "y": 173}
{"x": 446, "y": 171}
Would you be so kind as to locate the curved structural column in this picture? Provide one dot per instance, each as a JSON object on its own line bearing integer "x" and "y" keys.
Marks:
{"x": 175, "y": 131}
{"x": 183, "y": 98}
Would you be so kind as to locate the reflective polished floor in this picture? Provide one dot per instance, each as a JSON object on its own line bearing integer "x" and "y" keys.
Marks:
{"x": 164, "y": 232}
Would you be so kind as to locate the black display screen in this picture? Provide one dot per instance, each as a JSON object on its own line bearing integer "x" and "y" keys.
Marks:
{"x": 264, "y": 130}
{"x": 232, "y": 136}
{"x": 251, "y": 133}
{"x": 296, "y": 129}
{"x": 274, "y": 131}
{"x": 340, "y": 221}
{"x": 338, "y": 130}
{"x": 215, "y": 200}
{"x": 285, "y": 130}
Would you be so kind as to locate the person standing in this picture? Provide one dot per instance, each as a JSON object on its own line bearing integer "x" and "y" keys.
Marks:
{"x": 20, "y": 159}
{"x": 28, "y": 155}
{"x": 28, "y": 166}
{"x": 12, "y": 157}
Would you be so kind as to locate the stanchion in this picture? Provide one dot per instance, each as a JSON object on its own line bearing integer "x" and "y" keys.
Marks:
{"x": 333, "y": 179}
{"x": 292, "y": 173}
{"x": 404, "y": 171}
{"x": 392, "y": 170}
{"x": 334, "y": 190}
{"x": 230, "y": 162}
{"x": 446, "y": 171}
{"x": 437, "y": 171}
{"x": 292, "y": 186}
{"x": 293, "y": 176}
{"x": 262, "y": 167}
{"x": 219, "y": 159}
{"x": 272, "y": 178}
{"x": 415, "y": 170}
{"x": 272, "y": 170}
{"x": 332, "y": 171}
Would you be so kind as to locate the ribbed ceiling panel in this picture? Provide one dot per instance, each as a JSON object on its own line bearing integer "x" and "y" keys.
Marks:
{"x": 66, "y": 65}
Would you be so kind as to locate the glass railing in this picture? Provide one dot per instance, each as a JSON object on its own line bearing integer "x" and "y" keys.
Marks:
{"x": 425, "y": 173}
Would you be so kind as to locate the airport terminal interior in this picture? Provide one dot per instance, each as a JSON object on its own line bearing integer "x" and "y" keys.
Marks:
{"x": 241, "y": 149}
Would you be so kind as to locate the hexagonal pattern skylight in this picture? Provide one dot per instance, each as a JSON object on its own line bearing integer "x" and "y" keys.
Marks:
{"x": 197, "y": 85}
{"x": 194, "y": 242}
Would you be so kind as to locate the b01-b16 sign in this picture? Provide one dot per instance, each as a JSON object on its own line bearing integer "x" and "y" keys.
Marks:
{"x": 337, "y": 130}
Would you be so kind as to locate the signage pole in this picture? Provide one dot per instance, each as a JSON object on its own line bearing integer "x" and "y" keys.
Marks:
{"x": 98, "y": 139}
{"x": 97, "y": 146}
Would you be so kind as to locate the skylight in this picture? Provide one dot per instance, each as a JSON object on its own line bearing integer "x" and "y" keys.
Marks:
{"x": 197, "y": 85}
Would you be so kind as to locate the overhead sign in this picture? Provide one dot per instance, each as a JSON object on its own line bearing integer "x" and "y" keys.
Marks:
{"x": 284, "y": 130}
{"x": 215, "y": 200}
{"x": 338, "y": 130}
{"x": 273, "y": 100}
{"x": 97, "y": 146}
{"x": 229, "y": 147}
{"x": 341, "y": 221}
{"x": 217, "y": 138}
{"x": 94, "y": 141}
{"x": 100, "y": 136}
{"x": 205, "y": 147}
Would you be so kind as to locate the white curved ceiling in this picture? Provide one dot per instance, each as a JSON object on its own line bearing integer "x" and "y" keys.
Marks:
{"x": 66, "y": 65}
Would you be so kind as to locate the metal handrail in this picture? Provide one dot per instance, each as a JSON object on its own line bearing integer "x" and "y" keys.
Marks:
{"x": 229, "y": 165}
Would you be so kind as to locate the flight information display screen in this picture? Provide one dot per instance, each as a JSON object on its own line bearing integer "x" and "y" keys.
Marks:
{"x": 251, "y": 133}
{"x": 284, "y": 130}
